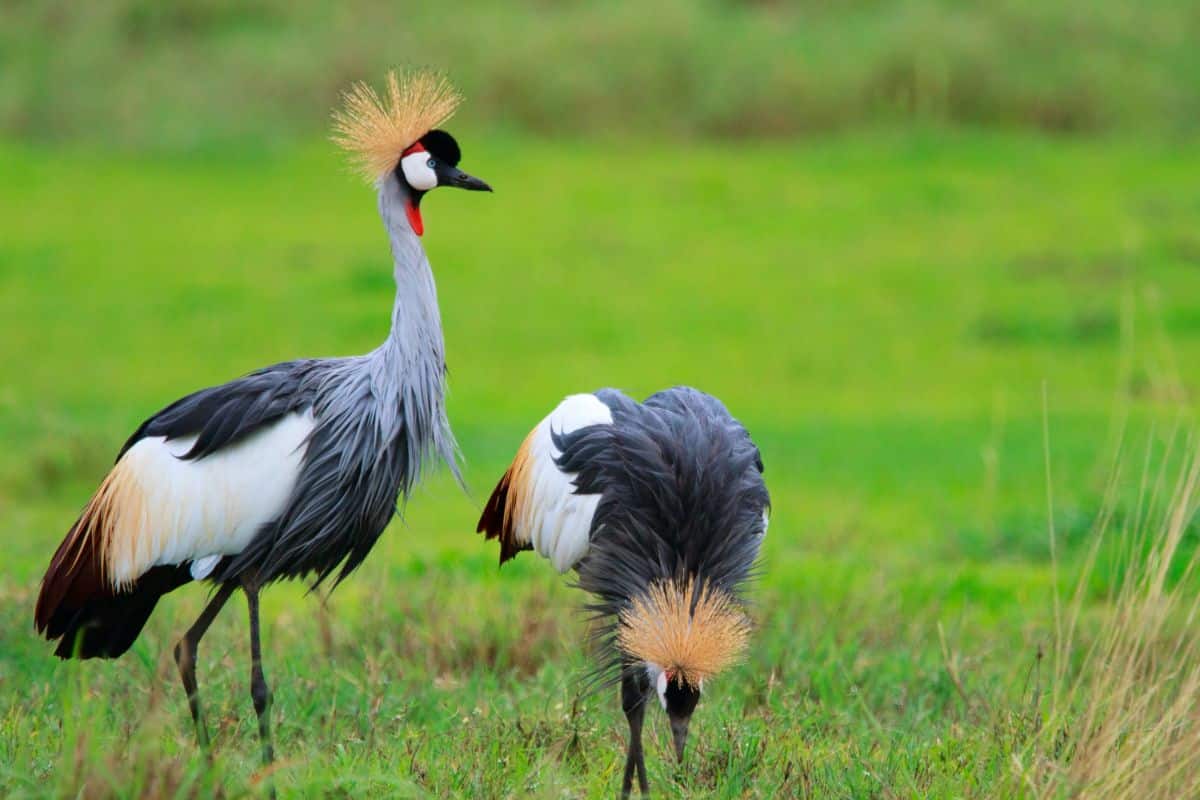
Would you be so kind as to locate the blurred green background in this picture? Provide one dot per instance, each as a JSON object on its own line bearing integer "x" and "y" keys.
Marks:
{"x": 149, "y": 74}
{"x": 911, "y": 245}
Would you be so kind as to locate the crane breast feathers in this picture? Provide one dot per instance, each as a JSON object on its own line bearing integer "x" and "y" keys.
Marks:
{"x": 535, "y": 506}
{"x": 158, "y": 507}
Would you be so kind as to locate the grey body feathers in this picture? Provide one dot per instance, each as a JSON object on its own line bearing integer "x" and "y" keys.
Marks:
{"x": 379, "y": 420}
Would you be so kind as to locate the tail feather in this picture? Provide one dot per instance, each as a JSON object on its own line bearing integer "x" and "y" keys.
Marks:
{"x": 80, "y": 608}
{"x": 107, "y": 625}
{"x": 496, "y": 521}
{"x": 73, "y": 577}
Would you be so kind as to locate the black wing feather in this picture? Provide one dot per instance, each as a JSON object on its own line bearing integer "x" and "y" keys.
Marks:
{"x": 223, "y": 415}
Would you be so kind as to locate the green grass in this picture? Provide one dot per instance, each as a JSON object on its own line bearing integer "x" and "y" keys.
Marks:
{"x": 190, "y": 73}
{"x": 885, "y": 313}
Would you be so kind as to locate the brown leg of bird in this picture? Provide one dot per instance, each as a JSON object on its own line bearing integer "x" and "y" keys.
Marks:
{"x": 258, "y": 682}
{"x": 634, "y": 690}
{"x": 185, "y": 658}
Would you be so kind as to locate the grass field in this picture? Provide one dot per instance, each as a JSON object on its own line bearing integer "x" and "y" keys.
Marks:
{"x": 888, "y": 313}
{"x": 149, "y": 75}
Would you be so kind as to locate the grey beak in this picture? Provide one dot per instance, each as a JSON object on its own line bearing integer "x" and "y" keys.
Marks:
{"x": 679, "y": 730}
{"x": 462, "y": 180}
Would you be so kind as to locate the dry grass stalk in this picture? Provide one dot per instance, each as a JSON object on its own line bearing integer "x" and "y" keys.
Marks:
{"x": 1124, "y": 717}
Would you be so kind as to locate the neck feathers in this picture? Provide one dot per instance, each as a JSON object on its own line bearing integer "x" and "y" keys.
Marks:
{"x": 416, "y": 321}
{"x": 410, "y": 365}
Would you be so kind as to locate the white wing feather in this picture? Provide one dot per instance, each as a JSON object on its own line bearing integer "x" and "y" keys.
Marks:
{"x": 168, "y": 510}
{"x": 555, "y": 520}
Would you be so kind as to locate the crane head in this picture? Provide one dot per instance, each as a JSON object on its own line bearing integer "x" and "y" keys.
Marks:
{"x": 678, "y": 699}
{"x": 428, "y": 163}
{"x": 683, "y": 631}
{"x": 396, "y": 133}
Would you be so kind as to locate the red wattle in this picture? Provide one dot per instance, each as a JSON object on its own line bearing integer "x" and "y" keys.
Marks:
{"x": 414, "y": 217}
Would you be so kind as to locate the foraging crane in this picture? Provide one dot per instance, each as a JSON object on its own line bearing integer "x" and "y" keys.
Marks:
{"x": 291, "y": 471}
{"x": 660, "y": 507}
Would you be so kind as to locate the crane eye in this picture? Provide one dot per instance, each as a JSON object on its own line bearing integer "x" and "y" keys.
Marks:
{"x": 431, "y": 163}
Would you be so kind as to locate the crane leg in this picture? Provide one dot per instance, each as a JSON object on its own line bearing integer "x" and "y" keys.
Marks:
{"x": 634, "y": 690}
{"x": 185, "y": 658}
{"x": 259, "y": 692}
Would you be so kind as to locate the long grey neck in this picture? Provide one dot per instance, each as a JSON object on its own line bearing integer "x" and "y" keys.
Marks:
{"x": 409, "y": 368}
{"x": 416, "y": 322}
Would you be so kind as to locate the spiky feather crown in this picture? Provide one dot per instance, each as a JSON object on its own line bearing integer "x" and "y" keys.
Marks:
{"x": 377, "y": 130}
{"x": 692, "y": 631}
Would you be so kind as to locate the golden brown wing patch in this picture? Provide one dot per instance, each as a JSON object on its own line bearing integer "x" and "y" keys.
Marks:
{"x": 503, "y": 516}
{"x": 80, "y": 568}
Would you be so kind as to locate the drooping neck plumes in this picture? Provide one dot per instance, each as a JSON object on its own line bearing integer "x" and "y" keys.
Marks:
{"x": 409, "y": 368}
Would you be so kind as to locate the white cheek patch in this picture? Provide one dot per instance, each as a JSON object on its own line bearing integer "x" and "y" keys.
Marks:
{"x": 661, "y": 686}
{"x": 417, "y": 171}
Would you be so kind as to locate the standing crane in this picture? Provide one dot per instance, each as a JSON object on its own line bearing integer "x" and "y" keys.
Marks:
{"x": 660, "y": 507}
{"x": 292, "y": 471}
